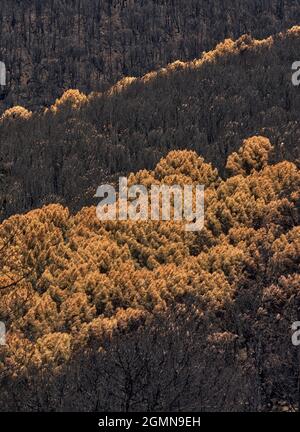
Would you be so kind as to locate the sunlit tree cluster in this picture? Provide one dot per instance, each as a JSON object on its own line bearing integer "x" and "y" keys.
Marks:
{"x": 144, "y": 315}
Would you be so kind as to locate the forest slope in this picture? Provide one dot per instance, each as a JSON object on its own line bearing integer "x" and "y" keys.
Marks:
{"x": 240, "y": 89}
{"x": 145, "y": 316}
{"x": 49, "y": 46}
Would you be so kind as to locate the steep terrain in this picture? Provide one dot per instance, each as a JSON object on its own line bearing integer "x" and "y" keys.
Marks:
{"x": 52, "y": 45}
{"x": 240, "y": 89}
{"x": 145, "y": 316}
{"x": 142, "y": 316}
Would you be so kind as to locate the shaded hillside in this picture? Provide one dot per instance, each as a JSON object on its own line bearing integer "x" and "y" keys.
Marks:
{"x": 52, "y": 45}
{"x": 142, "y": 316}
{"x": 240, "y": 89}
